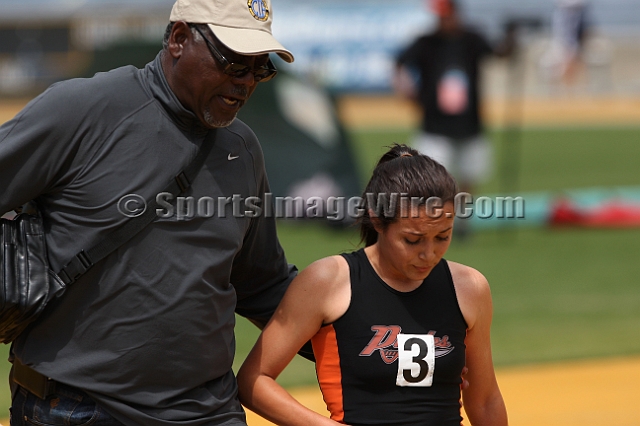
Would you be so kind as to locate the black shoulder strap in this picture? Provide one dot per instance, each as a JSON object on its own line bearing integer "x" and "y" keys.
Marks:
{"x": 84, "y": 260}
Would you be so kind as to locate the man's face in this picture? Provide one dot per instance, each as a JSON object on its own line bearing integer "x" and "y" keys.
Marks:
{"x": 213, "y": 96}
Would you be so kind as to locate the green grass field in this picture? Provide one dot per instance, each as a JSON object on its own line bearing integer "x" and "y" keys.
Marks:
{"x": 558, "y": 293}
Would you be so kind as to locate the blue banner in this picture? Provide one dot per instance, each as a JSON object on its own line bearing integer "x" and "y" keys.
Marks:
{"x": 349, "y": 47}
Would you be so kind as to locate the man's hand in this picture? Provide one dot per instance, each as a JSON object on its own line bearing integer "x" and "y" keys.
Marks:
{"x": 465, "y": 383}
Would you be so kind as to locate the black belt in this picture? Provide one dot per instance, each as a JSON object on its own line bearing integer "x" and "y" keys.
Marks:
{"x": 36, "y": 383}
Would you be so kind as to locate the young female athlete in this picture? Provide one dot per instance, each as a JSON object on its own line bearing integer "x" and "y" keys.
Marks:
{"x": 392, "y": 325}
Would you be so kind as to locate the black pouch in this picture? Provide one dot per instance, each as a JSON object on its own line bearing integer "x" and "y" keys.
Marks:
{"x": 27, "y": 283}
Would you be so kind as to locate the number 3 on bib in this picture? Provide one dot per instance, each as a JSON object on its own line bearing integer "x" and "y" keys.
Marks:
{"x": 416, "y": 360}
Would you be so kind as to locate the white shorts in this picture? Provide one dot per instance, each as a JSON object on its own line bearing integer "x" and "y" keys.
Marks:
{"x": 469, "y": 160}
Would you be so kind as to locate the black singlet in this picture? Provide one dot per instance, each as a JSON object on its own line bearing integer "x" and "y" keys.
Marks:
{"x": 364, "y": 377}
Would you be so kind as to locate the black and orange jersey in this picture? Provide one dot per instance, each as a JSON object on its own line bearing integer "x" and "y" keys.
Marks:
{"x": 393, "y": 358}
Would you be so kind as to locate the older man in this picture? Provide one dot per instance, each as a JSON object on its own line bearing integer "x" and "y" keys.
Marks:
{"x": 145, "y": 336}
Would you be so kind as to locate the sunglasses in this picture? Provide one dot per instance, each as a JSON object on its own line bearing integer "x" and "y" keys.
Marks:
{"x": 261, "y": 74}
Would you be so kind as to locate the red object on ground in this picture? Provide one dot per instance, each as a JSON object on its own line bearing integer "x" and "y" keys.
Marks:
{"x": 612, "y": 214}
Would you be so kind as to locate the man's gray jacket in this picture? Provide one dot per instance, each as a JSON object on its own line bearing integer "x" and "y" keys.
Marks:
{"x": 148, "y": 331}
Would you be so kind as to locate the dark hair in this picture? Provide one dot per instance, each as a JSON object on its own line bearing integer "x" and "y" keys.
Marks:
{"x": 406, "y": 172}
{"x": 167, "y": 34}
{"x": 169, "y": 28}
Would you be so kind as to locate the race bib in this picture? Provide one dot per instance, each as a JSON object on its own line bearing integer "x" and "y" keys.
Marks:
{"x": 453, "y": 92}
{"x": 416, "y": 360}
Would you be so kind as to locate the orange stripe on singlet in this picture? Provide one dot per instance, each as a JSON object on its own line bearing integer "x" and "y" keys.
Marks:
{"x": 325, "y": 349}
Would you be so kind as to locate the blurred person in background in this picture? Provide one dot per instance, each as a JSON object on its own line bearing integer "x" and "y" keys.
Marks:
{"x": 440, "y": 72}
{"x": 392, "y": 324}
{"x": 569, "y": 33}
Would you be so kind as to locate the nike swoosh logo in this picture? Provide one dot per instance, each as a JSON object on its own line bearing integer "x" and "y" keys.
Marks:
{"x": 230, "y": 157}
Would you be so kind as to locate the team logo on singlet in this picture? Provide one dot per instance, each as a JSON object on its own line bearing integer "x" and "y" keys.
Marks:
{"x": 385, "y": 342}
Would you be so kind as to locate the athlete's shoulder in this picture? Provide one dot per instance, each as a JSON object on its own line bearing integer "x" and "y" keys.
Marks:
{"x": 330, "y": 271}
{"x": 467, "y": 276}
{"x": 323, "y": 287}
{"x": 472, "y": 290}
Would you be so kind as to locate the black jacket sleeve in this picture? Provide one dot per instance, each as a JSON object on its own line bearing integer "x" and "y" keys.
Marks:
{"x": 260, "y": 272}
{"x": 37, "y": 147}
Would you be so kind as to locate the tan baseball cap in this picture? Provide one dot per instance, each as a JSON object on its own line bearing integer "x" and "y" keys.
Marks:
{"x": 244, "y": 26}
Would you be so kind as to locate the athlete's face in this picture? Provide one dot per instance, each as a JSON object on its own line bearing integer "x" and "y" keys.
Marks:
{"x": 412, "y": 246}
{"x": 202, "y": 86}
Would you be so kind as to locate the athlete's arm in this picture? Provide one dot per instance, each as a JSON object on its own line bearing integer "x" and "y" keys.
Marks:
{"x": 318, "y": 295}
{"x": 482, "y": 399}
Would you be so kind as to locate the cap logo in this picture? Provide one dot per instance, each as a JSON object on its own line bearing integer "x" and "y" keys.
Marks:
{"x": 258, "y": 9}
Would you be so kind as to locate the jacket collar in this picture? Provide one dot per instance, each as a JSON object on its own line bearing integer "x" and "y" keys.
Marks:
{"x": 154, "y": 78}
